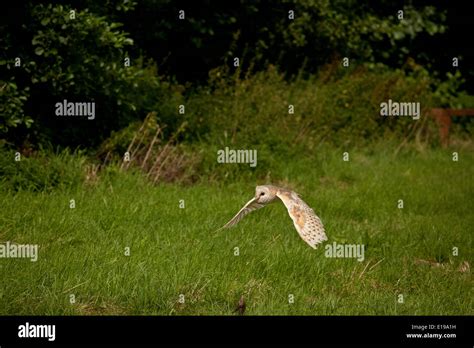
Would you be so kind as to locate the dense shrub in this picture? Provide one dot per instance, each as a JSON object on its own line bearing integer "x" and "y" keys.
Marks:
{"x": 41, "y": 171}
{"x": 78, "y": 56}
{"x": 338, "y": 108}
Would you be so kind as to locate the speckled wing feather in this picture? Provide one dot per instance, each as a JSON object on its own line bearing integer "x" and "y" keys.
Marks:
{"x": 308, "y": 225}
{"x": 249, "y": 207}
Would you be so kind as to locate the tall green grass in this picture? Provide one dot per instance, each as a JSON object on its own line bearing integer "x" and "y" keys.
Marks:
{"x": 176, "y": 251}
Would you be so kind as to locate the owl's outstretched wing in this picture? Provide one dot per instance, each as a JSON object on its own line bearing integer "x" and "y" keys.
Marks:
{"x": 249, "y": 207}
{"x": 308, "y": 225}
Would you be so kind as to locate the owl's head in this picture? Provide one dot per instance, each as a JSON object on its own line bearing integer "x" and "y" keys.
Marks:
{"x": 265, "y": 194}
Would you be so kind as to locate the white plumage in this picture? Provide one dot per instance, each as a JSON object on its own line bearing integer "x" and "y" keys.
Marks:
{"x": 308, "y": 225}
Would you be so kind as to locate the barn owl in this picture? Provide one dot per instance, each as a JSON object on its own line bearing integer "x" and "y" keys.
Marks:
{"x": 308, "y": 225}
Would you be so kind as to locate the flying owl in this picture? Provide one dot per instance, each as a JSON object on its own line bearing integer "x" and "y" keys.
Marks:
{"x": 308, "y": 225}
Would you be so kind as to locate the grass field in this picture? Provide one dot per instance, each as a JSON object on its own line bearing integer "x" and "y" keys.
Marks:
{"x": 176, "y": 251}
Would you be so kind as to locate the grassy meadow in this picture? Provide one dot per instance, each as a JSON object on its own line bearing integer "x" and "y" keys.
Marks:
{"x": 176, "y": 251}
{"x": 124, "y": 194}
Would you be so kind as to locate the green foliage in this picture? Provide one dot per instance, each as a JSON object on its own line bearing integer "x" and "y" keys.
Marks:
{"x": 12, "y": 103}
{"x": 80, "y": 58}
{"x": 446, "y": 93}
{"x": 119, "y": 141}
{"x": 338, "y": 107}
{"x": 96, "y": 46}
{"x": 353, "y": 30}
{"x": 335, "y": 106}
{"x": 320, "y": 30}
{"x": 42, "y": 171}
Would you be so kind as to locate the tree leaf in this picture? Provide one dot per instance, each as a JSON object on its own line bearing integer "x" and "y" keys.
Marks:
{"x": 39, "y": 50}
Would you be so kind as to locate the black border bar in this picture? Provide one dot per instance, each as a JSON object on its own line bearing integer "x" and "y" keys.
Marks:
{"x": 140, "y": 330}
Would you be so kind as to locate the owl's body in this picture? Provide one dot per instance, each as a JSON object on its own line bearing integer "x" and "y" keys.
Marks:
{"x": 308, "y": 225}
